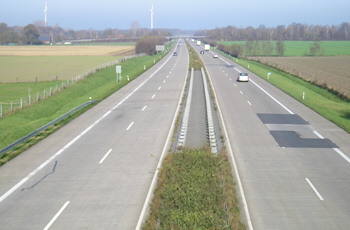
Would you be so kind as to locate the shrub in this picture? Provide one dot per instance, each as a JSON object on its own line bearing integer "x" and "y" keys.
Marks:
{"x": 148, "y": 44}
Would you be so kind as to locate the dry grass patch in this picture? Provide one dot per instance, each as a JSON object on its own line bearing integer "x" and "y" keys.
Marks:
{"x": 66, "y": 50}
{"x": 332, "y": 72}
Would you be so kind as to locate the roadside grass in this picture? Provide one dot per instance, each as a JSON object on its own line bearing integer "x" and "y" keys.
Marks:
{"x": 195, "y": 190}
{"x": 301, "y": 48}
{"x": 97, "y": 86}
{"x": 320, "y": 100}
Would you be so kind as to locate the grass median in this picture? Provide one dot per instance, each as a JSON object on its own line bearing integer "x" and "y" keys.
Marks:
{"x": 195, "y": 190}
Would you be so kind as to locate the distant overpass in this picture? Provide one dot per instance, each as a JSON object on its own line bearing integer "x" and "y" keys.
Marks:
{"x": 185, "y": 36}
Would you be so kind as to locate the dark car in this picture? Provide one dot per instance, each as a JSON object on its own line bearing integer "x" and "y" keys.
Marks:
{"x": 175, "y": 54}
{"x": 202, "y": 52}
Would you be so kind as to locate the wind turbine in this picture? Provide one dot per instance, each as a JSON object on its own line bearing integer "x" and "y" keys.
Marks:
{"x": 45, "y": 13}
{"x": 152, "y": 13}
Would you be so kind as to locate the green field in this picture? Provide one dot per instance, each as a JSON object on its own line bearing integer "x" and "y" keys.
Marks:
{"x": 301, "y": 48}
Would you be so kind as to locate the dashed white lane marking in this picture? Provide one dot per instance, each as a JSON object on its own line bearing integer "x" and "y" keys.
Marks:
{"x": 143, "y": 109}
{"x": 319, "y": 135}
{"x": 313, "y": 188}
{"x": 153, "y": 96}
{"x": 105, "y": 156}
{"x": 342, "y": 154}
{"x": 130, "y": 126}
{"x": 57, "y": 215}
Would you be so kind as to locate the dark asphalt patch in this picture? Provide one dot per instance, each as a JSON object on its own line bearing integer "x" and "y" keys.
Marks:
{"x": 290, "y": 139}
{"x": 285, "y": 127}
{"x": 282, "y": 119}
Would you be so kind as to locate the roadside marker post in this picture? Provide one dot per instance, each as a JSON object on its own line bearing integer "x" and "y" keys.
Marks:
{"x": 118, "y": 70}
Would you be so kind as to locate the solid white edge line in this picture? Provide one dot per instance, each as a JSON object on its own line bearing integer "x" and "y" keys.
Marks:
{"x": 57, "y": 215}
{"x": 238, "y": 178}
{"x": 342, "y": 154}
{"x": 105, "y": 156}
{"x": 20, "y": 183}
{"x": 130, "y": 126}
{"x": 283, "y": 106}
{"x": 313, "y": 188}
{"x": 155, "y": 177}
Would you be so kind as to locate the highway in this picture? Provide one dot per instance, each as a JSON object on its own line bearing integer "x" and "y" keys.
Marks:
{"x": 293, "y": 164}
{"x": 96, "y": 172}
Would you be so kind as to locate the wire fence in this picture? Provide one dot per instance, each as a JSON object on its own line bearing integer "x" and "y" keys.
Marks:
{"x": 11, "y": 106}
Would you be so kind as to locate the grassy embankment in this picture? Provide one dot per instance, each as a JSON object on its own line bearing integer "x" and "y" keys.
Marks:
{"x": 195, "y": 189}
{"x": 97, "y": 86}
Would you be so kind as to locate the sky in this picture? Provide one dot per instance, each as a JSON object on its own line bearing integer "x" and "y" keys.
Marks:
{"x": 174, "y": 14}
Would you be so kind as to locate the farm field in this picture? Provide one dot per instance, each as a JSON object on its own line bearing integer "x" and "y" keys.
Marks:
{"x": 69, "y": 50}
{"x": 333, "y": 71}
{"x": 38, "y": 68}
{"x": 301, "y": 48}
{"x": 46, "y": 63}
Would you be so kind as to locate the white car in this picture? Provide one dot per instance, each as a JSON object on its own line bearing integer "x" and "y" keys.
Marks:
{"x": 243, "y": 77}
{"x": 215, "y": 56}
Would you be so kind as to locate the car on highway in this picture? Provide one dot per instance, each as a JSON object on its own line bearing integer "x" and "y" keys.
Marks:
{"x": 202, "y": 52}
{"x": 175, "y": 54}
{"x": 243, "y": 77}
{"x": 215, "y": 56}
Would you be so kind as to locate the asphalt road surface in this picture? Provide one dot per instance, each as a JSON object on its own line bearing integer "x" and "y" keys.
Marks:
{"x": 95, "y": 172}
{"x": 293, "y": 163}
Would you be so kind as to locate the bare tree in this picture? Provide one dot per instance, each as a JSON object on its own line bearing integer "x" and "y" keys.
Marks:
{"x": 134, "y": 27}
{"x": 280, "y": 48}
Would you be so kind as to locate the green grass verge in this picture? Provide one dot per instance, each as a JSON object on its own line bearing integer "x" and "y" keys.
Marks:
{"x": 195, "y": 190}
{"x": 301, "y": 48}
{"x": 320, "y": 100}
{"x": 97, "y": 86}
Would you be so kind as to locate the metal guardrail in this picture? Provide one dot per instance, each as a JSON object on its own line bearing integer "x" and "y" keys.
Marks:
{"x": 13, "y": 145}
{"x": 210, "y": 121}
{"x": 185, "y": 118}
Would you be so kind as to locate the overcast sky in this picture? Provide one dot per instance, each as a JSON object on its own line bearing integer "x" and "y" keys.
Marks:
{"x": 180, "y": 14}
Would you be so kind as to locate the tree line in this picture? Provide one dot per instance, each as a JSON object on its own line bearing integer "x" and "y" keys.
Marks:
{"x": 261, "y": 48}
{"x": 30, "y": 33}
{"x": 292, "y": 32}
